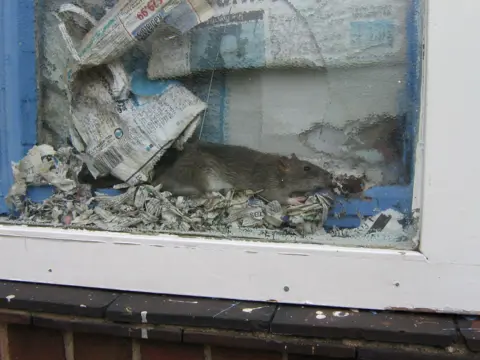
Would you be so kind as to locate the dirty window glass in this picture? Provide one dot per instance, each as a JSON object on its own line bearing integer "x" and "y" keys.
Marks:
{"x": 285, "y": 120}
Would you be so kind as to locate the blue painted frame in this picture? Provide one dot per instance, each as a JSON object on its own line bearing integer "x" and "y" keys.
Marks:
{"x": 18, "y": 87}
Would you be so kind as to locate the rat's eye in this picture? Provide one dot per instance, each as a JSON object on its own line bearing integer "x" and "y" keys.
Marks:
{"x": 306, "y": 168}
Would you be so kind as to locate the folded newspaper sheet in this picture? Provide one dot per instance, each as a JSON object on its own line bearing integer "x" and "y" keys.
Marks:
{"x": 125, "y": 132}
{"x": 147, "y": 208}
{"x": 286, "y": 33}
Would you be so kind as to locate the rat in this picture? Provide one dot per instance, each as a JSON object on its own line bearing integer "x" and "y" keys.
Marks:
{"x": 204, "y": 167}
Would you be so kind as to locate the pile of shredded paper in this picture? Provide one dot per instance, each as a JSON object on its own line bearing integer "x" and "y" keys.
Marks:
{"x": 148, "y": 208}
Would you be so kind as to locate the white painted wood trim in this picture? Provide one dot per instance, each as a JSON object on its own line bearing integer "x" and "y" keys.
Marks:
{"x": 450, "y": 213}
{"x": 445, "y": 277}
{"x": 348, "y": 277}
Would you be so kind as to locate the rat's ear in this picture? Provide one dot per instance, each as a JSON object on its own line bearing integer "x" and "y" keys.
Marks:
{"x": 283, "y": 164}
{"x": 294, "y": 157}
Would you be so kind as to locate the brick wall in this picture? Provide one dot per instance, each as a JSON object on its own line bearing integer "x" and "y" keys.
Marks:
{"x": 26, "y": 342}
{"x": 21, "y": 339}
{"x": 45, "y": 322}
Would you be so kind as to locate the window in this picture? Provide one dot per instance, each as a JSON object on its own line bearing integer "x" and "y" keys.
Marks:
{"x": 339, "y": 85}
{"x": 277, "y": 120}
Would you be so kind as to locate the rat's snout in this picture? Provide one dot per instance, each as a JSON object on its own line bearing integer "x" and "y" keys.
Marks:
{"x": 323, "y": 180}
{"x": 327, "y": 178}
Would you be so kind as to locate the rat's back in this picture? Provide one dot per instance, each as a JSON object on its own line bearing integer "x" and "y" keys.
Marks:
{"x": 206, "y": 167}
{"x": 233, "y": 166}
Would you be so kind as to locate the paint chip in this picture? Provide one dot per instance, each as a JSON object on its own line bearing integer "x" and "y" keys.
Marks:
{"x": 144, "y": 331}
{"x": 10, "y": 297}
{"x": 183, "y": 301}
{"x": 340, "y": 313}
{"x": 321, "y": 315}
{"x": 143, "y": 314}
{"x": 83, "y": 306}
{"x": 250, "y": 310}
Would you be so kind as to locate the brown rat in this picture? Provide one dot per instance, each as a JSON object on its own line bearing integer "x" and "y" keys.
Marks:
{"x": 206, "y": 167}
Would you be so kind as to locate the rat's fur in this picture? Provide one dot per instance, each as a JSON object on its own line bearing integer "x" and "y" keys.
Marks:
{"x": 205, "y": 167}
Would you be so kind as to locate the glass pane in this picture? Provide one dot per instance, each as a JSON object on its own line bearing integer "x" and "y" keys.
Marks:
{"x": 280, "y": 120}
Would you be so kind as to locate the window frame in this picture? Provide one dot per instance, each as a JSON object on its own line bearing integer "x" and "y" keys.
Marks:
{"x": 443, "y": 276}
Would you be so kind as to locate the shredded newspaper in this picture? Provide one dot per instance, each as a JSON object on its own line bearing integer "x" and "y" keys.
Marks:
{"x": 44, "y": 166}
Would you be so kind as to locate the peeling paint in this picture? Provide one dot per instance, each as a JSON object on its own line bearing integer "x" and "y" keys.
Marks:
{"x": 320, "y": 315}
{"x": 10, "y": 297}
{"x": 183, "y": 301}
{"x": 250, "y": 310}
{"x": 143, "y": 314}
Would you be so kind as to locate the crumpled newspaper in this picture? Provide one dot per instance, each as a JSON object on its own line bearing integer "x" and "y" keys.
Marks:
{"x": 126, "y": 134}
{"x": 41, "y": 166}
{"x": 147, "y": 208}
{"x": 117, "y": 117}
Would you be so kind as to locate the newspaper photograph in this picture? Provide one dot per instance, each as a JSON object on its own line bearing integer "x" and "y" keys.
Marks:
{"x": 285, "y": 33}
